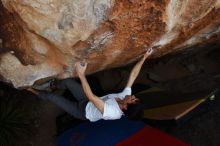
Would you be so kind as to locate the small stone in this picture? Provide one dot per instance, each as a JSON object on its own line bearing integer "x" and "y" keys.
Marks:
{"x": 12, "y": 52}
{"x": 212, "y": 97}
{"x": 192, "y": 68}
{"x": 1, "y": 41}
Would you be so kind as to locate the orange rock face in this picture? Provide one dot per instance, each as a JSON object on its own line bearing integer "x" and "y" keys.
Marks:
{"x": 44, "y": 38}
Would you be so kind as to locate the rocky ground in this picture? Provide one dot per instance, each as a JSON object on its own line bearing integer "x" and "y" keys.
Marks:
{"x": 203, "y": 128}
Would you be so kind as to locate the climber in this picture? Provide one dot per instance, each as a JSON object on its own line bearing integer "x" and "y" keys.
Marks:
{"x": 88, "y": 105}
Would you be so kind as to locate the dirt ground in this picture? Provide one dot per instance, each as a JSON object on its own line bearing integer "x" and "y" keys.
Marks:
{"x": 43, "y": 123}
{"x": 46, "y": 125}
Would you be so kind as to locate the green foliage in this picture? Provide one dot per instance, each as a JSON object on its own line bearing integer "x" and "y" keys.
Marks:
{"x": 14, "y": 122}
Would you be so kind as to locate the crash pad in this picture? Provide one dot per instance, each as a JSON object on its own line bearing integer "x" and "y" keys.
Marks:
{"x": 120, "y": 132}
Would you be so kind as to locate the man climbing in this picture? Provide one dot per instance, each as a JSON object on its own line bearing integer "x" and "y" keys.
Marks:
{"x": 88, "y": 105}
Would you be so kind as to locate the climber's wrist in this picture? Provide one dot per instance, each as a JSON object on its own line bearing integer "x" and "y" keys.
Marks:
{"x": 81, "y": 75}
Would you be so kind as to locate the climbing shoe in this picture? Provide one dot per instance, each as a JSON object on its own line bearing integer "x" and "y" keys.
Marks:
{"x": 48, "y": 86}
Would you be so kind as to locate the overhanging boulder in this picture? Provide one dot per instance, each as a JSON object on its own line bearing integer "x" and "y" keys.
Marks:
{"x": 44, "y": 38}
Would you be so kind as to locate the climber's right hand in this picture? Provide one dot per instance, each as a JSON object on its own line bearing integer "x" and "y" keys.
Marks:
{"x": 80, "y": 68}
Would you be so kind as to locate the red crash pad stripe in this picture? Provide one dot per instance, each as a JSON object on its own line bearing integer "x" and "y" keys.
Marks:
{"x": 149, "y": 136}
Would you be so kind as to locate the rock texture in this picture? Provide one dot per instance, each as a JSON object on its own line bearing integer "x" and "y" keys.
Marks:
{"x": 44, "y": 38}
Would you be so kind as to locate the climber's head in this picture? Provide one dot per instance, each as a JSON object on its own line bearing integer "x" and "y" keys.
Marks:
{"x": 131, "y": 106}
{"x": 128, "y": 100}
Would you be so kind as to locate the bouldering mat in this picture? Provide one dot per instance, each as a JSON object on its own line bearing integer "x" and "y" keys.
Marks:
{"x": 120, "y": 132}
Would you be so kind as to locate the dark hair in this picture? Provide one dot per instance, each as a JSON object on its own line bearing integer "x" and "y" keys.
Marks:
{"x": 135, "y": 111}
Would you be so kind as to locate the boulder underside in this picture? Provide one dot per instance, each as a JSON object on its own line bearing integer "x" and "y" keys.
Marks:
{"x": 44, "y": 38}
